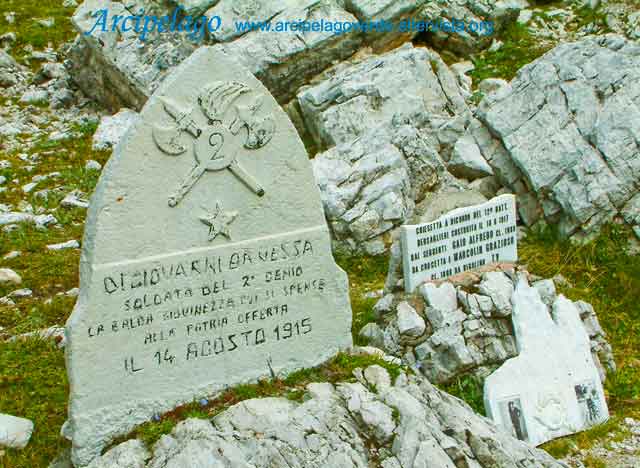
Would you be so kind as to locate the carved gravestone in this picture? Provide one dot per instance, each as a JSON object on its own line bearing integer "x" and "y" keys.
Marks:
{"x": 206, "y": 260}
{"x": 552, "y": 388}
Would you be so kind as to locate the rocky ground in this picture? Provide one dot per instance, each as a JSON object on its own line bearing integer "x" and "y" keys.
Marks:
{"x": 429, "y": 152}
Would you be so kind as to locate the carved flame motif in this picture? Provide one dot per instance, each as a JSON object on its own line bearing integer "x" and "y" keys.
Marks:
{"x": 228, "y": 108}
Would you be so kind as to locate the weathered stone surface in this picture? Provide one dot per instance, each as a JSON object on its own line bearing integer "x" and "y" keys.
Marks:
{"x": 206, "y": 282}
{"x": 468, "y": 325}
{"x": 116, "y": 68}
{"x": 467, "y": 161}
{"x": 334, "y": 425}
{"x": 499, "y": 288}
{"x": 409, "y": 322}
{"x": 132, "y": 453}
{"x": 195, "y": 7}
{"x": 14, "y": 432}
{"x": 238, "y": 11}
{"x": 552, "y": 388}
{"x": 285, "y": 61}
{"x": 389, "y": 143}
{"x": 9, "y": 276}
{"x": 391, "y": 11}
{"x": 566, "y": 132}
{"x": 112, "y": 128}
{"x": 409, "y": 85}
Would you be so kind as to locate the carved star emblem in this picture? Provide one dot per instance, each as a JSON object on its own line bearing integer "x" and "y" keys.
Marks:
{"x": 218, "y": 221}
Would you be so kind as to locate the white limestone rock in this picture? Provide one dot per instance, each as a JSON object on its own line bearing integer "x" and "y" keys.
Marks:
{"x": 285, "y": 61}
{"x": 72, "y": 244}
{"x": 112, "y": 129}
{"x": 552, "y": 388}
{"x": 373, "y": 334}
{"x": 466, "y": 160}
{"x": 116, "y": 68}
{"x": 130, "y": 454}
{"x": 35, "y": 96}
{"x": 442, "y": 298}
{"x": 15, "y": 432}
{"x": 134, "y": 70}
{"x": 413, "y": 423}
{"x": 74, "y": 200}
{"x": 197, "y": 7}
{"x": 378, "y": 91}
{"x": 93, "y": 165}
{"x": 41, "y": 221}
{"x": 409, "y": 322}
{"x": 9, "y": 276}
{"x": 240, "y": 11}
{"x": 565, "y": 133}
{"x": 369, "y": 186}
{"x": 365, "y": 189}
{"x": 492, "y": 85}
{"x": 499, "y": 288}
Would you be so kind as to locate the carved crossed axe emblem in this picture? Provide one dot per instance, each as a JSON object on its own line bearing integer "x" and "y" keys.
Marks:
{"x": 229, "y": 107}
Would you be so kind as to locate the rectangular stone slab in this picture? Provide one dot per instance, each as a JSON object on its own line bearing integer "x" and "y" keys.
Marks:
{"x": 206, "y": 259}
{"x": 463, "y": 239}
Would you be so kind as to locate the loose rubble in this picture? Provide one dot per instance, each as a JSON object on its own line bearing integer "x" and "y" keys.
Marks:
{"x": 468, "y": 325}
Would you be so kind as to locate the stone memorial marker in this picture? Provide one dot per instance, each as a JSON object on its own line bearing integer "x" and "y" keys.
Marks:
{"x": 463, "y": 239}
{"x": 552, "y": 388}
{"x": 206, "y": 260}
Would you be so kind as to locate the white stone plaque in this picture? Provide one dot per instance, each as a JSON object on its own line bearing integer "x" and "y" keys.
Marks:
{"x": 206, "y": 260}
{"x": 463, "y": 239}
{"x": 552, "y": 388}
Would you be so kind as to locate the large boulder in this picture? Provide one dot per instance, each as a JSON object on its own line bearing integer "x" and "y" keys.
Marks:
{"x": 372, "y": 422}
{"x": 409, "y": 85}
{"x": 117, "y": 68}
{"x": 564, "y": 136}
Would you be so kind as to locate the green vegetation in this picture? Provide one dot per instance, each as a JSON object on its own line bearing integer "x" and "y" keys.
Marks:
{"x": 33, "y": 384}
{"x": 29, "y": 32}
{"x": 366, "y": 274}
{"x": 47, "y": 273}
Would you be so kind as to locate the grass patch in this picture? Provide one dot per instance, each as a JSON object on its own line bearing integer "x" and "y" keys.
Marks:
{"x": 603, "y": 273}
{"x": 33, "y": 385}
{"x": 519, "y": 49}
{"x": 366, "y": 274}
{"x": 468, "y": 389}
{"x": 29, "y": 32}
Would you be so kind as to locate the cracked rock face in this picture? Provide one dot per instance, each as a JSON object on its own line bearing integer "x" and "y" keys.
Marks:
{"x": 371, "y": 422}
{"x": 565, "y": 136}
{"x": 390, "y": 122}
{"x": 468, "y": 325}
